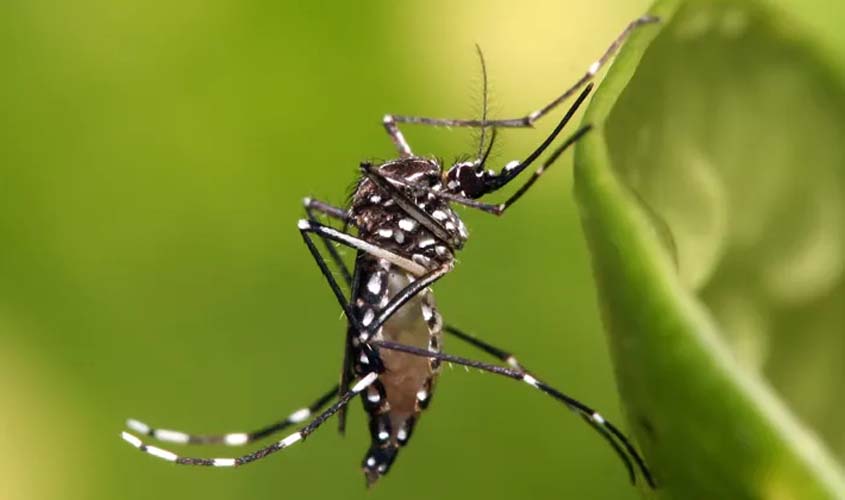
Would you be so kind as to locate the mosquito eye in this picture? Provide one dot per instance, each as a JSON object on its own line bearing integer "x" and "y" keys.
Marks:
{"x": 471, "y": 182}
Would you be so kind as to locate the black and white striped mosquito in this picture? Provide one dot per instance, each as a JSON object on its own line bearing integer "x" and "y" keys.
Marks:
{"x": 405, "y": 237}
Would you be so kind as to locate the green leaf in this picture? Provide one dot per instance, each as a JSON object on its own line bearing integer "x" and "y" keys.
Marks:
{"x": 712, "y": 193}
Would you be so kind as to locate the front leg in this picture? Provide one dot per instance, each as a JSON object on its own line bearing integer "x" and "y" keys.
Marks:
{"x": 529, "y": 119}
{"x": 396, "y": 136}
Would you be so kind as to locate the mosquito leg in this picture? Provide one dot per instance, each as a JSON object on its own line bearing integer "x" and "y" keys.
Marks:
{"x": 396, "y": 136}
{"x": 330, "y": 279}
{"x": 604, "y": 427}
{"x": 311, "y": 206}
{"x": 501, "y": 355}
{"x": 300, "y": 435}
{"x": 529, "y": 119}
{"x": 306, "y": 226}
{"x": 361, "y": 324}
{"x": 346, "y": 375}
{"x": 510, "y": 359}
{"x": 232, "y": 438}
{"x": 400, "y": 299}
{"x": 620, "y": 451}
{"x": 369, "y": 323}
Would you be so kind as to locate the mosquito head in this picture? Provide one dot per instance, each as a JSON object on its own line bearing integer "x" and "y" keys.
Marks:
{"x": 468, "y": 178}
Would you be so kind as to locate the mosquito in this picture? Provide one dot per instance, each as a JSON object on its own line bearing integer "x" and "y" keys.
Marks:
{"x": 401, "y": 225}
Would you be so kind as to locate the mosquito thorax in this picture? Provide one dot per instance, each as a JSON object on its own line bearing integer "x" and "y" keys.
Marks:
{"x": 381, "y": 220}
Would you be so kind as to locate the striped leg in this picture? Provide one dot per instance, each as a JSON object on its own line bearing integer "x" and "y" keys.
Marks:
{"x": 609, "y": 431}
{"x": 391, "y": 121}
{"x": 297, "y": 436}
{"x": 503, "y": 356}
{"x": 510, "y": 359}
{"x": 311, "y": 206}
{"x": 396, "y": 136}
{"x": 232, "y": 438}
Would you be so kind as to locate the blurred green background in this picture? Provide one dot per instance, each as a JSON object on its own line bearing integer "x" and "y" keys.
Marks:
{"x": 153, "y": 157}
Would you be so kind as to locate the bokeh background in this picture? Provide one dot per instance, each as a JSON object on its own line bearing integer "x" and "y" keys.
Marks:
{"x": 153, "y": 157}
